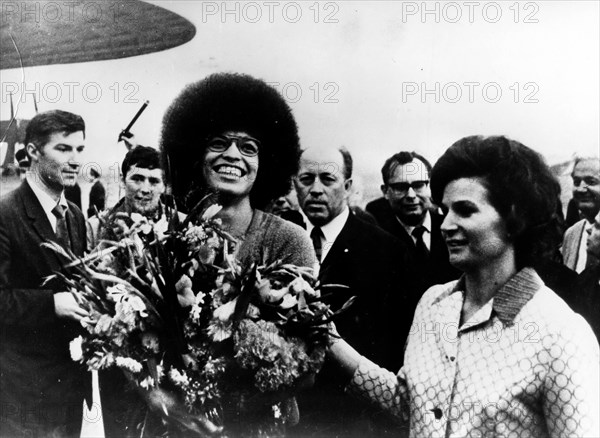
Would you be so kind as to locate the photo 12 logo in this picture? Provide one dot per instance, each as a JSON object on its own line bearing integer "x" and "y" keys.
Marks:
{"x": 317, "y": 92}
{"x": 471, "y": 92}
{"x": 66, "y": 11}
{"x": 471, "y": 12}
{"x": 55, "y": 92}
{"x": 270, "y": 12}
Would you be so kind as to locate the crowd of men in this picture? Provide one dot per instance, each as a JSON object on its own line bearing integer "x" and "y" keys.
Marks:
{"x": 397, "y": 241}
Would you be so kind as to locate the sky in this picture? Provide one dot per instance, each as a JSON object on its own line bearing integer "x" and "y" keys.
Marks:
{"x": 377, "y": 77}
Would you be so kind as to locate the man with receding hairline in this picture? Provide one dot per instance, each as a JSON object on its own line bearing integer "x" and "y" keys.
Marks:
{"x": 586, "y": 194}
{"x": 374, "y": 266}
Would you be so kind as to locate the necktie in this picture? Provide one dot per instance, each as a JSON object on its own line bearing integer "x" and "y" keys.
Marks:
{"x": 316, "y": 235}
{"x": 422, "y": 251}
{"x": 62, "y": 232}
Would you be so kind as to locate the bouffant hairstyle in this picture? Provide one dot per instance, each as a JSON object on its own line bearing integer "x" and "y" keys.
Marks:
{"x": 520, "y": 185}
{"x": 43, "y": 125}
{"x": 140, "y": 156}
{"x": 229, "y": 102}
{"x": 399, "y": 159}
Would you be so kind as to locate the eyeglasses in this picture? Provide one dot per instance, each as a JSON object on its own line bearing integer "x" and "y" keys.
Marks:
{"x": 403, "y": 187}
{"x": 247, "y": 146}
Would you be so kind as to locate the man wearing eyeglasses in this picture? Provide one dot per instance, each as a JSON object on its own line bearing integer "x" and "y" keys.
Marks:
{"x": 409, "y": 214}
{"x": 586, "y": 194}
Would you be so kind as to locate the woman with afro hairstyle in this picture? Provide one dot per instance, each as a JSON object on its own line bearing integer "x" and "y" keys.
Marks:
{"x": 234, "y": 137}
{"x": 497, "y": 352}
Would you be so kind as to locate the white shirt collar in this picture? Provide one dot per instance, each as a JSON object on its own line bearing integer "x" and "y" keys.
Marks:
{"x": 331, "y": 230}
{"x": 426, "y": 224}
{"x": 46, "y": 200}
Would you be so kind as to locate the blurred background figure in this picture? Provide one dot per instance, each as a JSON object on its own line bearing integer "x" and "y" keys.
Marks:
{"x": 286, "y": 207}
{"x": 97, "y": 194}
{"x": 23, "y": 162}
{"x": 73, "y": 194}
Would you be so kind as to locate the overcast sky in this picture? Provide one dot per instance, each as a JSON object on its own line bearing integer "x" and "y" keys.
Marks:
{"x": 377, "y": 77}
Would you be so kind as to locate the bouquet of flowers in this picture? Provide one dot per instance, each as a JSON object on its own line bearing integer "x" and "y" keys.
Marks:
{"x": 169, "y": 305}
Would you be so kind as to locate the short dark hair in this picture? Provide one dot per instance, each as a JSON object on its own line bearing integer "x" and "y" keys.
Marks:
{"x": 348, "y": 163}
{"x": 43, "y": 125}
{"x": 521, "y": 188}
{"x": 403, "y": 157}
{"x": 140, "y": 156}
{"x": 229, "y": 102}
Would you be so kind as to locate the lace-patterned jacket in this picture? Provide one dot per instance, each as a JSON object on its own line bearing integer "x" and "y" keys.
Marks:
{"x": 525, "y": 365}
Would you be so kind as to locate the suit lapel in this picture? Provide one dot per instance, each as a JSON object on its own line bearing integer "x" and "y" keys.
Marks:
{"x": 340, "y": 246}
{"x": 35, "y": 213}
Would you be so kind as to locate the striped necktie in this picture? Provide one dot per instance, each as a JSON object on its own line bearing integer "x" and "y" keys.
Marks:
{"x": 316, "y": 235}
{"x": 62, "y": 232}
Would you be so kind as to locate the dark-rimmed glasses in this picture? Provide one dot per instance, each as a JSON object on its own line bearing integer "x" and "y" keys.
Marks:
{"x": 247, "y": 146}
{"x": 403, "y": 187}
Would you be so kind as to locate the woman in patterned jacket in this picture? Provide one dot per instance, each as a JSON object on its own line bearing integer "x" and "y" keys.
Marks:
{"x": 495, "y": 353}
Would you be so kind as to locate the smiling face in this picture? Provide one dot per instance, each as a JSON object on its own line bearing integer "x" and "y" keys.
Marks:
{"x": 143, "y": 188}
{"x": 230, "y": 172}
{"x": 475, "y": 233}
{"x": 322, "y": 189}
{"x": 57, "y": 163}
{"x": 586, "y": 187}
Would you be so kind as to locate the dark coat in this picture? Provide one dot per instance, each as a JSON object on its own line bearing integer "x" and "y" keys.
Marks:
{"x": 375, "y": 266}
{"x": 436, "y": 269}
{"x": 97, "y": 198}
{"x": 587, "y": 302}
{"x": 41, "y": 388}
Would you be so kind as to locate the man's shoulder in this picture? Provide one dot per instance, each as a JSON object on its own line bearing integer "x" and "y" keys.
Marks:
{"x": 10, "y": 201}
{"x": 368, "y": 235}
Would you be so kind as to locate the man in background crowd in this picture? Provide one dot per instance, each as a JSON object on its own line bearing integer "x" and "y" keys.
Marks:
{"x": 586, "y": 193}
{"x": 97, "y": 194}
{"x": 143, "y": 180}
{"x": 409, "y": 214}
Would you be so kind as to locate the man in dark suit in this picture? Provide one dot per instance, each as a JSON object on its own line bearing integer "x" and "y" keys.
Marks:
{"x": 375, "y": 267}
{"x": 587, "y": 300}
{"x": 406, "y": 212}
{"x": 41, "y": 388}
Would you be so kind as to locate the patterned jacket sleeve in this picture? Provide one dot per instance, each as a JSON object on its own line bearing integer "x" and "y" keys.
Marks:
{"x": 572, "y": 386}
{"x": 380, "y": 387}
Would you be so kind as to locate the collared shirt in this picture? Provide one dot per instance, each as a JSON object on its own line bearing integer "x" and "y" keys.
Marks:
{"x": 426, "y": 235}
{"x": 582, "y": 254}
{"x": 46, "y": 200}
{"x": 330, "y": 231}
{"x": 525, "y": 365}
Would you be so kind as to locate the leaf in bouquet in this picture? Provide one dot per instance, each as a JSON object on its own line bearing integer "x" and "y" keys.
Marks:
{"x": 248, "y": 285}
{"x": 58, "y": 249}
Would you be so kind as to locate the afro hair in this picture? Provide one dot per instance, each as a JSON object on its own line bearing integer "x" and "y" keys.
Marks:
{"x": 229, "y": 102}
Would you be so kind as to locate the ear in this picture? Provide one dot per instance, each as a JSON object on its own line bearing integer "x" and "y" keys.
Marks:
{"x": 33, "y": 151}
{"x": 348, "y": 184}
{"x": 383, "y": 188}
